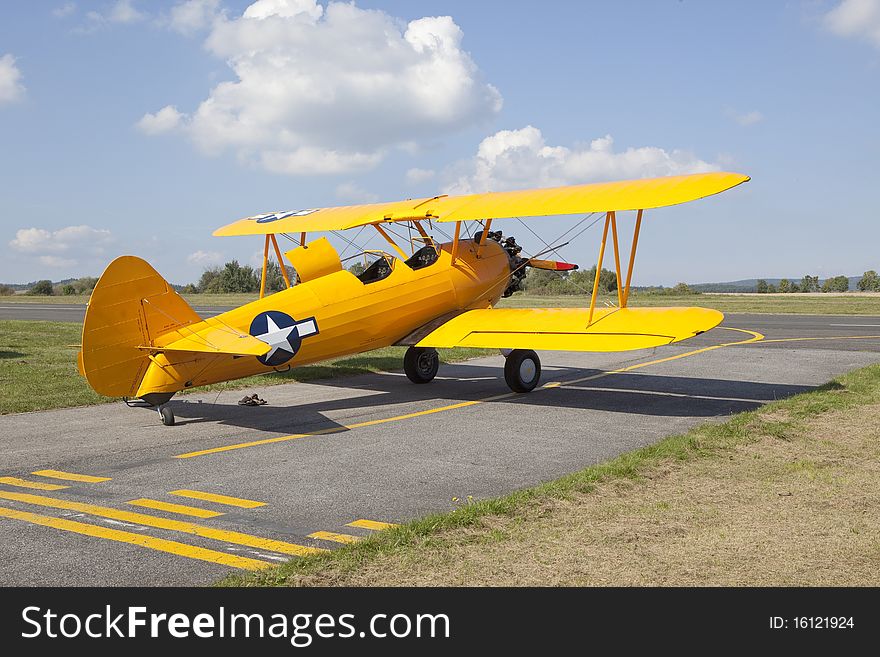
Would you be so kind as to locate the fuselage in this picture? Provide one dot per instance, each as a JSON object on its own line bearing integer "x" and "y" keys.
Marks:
{"x": 338, "y": 314}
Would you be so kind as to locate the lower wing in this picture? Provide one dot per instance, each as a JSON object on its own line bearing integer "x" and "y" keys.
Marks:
{"x": 565, "y": 329}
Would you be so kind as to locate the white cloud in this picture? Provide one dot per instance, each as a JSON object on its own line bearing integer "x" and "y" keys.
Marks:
{"x": 512, "y": 159}
{"x": 165, "y": 120}
{"x": 746, "y": 119}
{"x": 856, "y": 18}
{"x": 121, "y": 12}
{"x": 415, "y": 175}
{"x": 56, "y": 261}
{"x": 307, "y": 160}
{"x": 11, "y": 88}
{"x": 192, "y": 16}
{"x": 352, "y": 193}
{"x": 62, "y": 247}
{"x": 205, "y": 258}
{"x": 333, "y": 90}
{"x": 64, "y": 10}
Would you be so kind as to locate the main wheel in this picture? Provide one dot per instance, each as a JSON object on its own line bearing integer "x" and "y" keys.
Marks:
{"x": 421, "y": 364}
{"x": 522, "y": 370}
{"x": 167, "y": 416}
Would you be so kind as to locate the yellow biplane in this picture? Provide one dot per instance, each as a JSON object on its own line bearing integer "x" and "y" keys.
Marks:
{"x": 142, "y": 340}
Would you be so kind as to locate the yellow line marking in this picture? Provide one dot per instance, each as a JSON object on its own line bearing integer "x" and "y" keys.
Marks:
{"x": 24, "y": 483}
{"x": 375, "y": 525}
{"x": 218, "y": 499}
{"x": 70, "y": 476}
{"x": 829, "y": 337}
{"x": 336, "y": 538}
{"x": 407, "y": 416}
{"x": 164, "y": 523}
{"x": 160, "y": 544}
{"x": 175, "y": 508}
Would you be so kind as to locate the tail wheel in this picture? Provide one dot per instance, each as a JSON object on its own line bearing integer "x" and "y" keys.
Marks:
{"x": 421, "y": 364}
{"x": 522, "y": 370}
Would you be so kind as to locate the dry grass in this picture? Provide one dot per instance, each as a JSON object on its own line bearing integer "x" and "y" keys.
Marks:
{"x": 773, "y": 513}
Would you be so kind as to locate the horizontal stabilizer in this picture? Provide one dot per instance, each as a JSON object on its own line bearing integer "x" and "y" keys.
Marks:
{"x": 566, "y": 329}
{"x": 212, "y": 337}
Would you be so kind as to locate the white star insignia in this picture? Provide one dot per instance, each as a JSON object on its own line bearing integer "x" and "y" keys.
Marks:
{"x": 277, "y": 338}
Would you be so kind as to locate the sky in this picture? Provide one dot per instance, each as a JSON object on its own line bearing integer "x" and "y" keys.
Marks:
{"x": 136, "y": 127}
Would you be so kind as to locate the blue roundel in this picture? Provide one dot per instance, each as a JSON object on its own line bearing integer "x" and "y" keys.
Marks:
{"x": 279, "y": 331}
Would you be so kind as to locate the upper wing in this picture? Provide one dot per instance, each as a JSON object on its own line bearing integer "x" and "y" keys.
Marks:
{"x": 575, "y": 199}
{"x": 566, "y": 329}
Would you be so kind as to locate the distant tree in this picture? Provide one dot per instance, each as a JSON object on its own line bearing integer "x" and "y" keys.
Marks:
{"x": 43, "y": 288}
{"x": 542, "y": 281}
{"x": 189, "y": 289}
{"x": 869, "y": 282}
{"x": 68, "y": 290}
{"x": 795, "y": 287}
{"x": 357, "y": 268}
{"x": 232, "y": 277}
{"x": 761, "y": 286}
{"x": 836, "y": 284}
{"x": 85, "y": 284}
{"x": 6, "y": 290}
{"x": 785, "y": 285}
{"x": 809, "y": 283}
{"x": 274, "y": 279}
{"x": 771, "y": 288}
{"x": 583, "y": 280}
{"x": 682, "y": 289}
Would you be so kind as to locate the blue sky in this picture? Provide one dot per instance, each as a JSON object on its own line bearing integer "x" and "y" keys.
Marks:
{"x": 139, "y": 127}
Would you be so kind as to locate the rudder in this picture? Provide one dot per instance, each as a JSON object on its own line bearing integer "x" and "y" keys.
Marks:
{"x": 130, "y": 305}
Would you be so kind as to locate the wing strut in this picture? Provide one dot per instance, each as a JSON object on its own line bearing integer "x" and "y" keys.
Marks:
{"x": 622, "y": 291}
{"x": 270, "y": 237}
{"x": 632, "y": 257}
{"x": 598, "y": 269}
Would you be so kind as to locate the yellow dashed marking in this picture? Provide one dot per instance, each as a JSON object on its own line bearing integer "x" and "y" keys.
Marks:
{"x": 160, "y": 544}
{"x": 24, "y": 483}
{"x": 164, "y": 523}
{"x": 375, "y": 525}
{"x": 70, "y": 476}
{"x": 336, "y": 538}
{"x": 218, "y": 499}
{"x": 175, "y": 508}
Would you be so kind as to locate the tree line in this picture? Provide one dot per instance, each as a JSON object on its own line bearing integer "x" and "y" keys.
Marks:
{"x": 869, "y": 282}
{"x": 234, "y": 277}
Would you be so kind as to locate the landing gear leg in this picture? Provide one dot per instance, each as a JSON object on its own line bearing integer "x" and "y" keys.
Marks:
{"x": 421, "y": 364}
{"x": 522, "y": 370}
{"x": 166, "y": 414}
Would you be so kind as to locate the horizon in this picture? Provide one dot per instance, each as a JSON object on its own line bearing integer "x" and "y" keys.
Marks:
{"x": 136, "y": 127}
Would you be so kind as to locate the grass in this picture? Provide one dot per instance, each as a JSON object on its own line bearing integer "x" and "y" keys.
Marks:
{"x": 38, "y": 367}
{"x": 854, "y": 304}
{"x": 812, "y": 304}
{"x": 786, "y": 494}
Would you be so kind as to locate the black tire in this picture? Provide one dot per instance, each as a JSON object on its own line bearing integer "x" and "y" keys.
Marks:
{"x": 522, "y": 370}
{"x": 167, "y": 416}
{"x": 421, "y": 364}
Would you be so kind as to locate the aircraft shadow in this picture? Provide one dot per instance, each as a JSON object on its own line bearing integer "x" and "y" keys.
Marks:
{"x": 631, "y": 393}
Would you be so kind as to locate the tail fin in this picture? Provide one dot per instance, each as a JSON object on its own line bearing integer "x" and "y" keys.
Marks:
{"x": 130, "y": 305}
